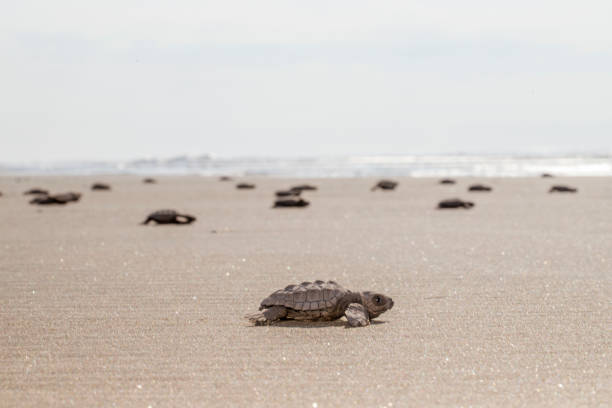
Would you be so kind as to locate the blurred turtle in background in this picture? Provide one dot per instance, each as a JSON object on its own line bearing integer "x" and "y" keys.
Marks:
{"x": 34, "y": 191}
{"x": 245, "y": 186}
{"x": 479, "y": 187}
{"x": 288, "y": 193}
{"x": 56, "y": 198}
{"x": 291, "y": 202}
{"x": 385, "y": 185}
{"x": 100, "y": 186}
{"x": 447, "y": 181}
{"x": 455, "y": 203}
{"x": 169, "y": 217}
{"x": 303, "y": 187}
{"x": 562, "y": 189}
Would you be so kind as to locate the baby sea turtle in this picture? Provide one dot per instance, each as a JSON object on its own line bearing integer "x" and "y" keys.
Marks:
{"x": 56, "y": 198}
{"x": 455, "y": 203}
{"x": 321, "y": 301}
{"x": 479, "y": 187}
{"x": 385, "y": 185}
{"x": 546, "y": 175}
{"x": 34, "y": 191}
{"x": 562, "y": 189}
{"x": 225, "y": 178}
{"x": 100, "y": 186}
{"x": 149, "y": 180}
{"x": 447, "y": 181}
{"x": 303, "y": 187}
{"x": 288, "y": 193}
{"x": 169, "y": 217}
{"x": 291, "y": 202}
{"x": 245, "y": 186}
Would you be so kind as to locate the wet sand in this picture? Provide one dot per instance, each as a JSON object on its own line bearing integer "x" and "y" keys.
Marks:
{"x": 506, "y": 304}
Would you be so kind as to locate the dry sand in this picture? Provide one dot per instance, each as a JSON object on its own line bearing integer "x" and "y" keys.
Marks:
{"x": 507, "y": 304}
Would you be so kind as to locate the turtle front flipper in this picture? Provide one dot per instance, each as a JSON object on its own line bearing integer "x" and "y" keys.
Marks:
{"x": 357, "y": 315}
{"x": 267, "y": 316}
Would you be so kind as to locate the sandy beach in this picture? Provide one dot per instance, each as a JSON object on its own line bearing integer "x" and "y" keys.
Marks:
{"x": 505, "y": 304}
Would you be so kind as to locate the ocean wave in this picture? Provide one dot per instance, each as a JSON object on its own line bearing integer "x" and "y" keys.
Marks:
{"x": 349, "y": 166}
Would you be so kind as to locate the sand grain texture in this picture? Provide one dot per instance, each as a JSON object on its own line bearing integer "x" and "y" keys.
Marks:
{"x": 506, "y": 304}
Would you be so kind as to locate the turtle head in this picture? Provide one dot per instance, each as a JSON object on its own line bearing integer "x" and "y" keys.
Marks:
{"x": 376, "y": 303}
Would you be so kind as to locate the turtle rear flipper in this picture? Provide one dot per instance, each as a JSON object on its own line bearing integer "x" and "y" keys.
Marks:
{"x": 267, "y": 316}
{"x": 357, "y": 315}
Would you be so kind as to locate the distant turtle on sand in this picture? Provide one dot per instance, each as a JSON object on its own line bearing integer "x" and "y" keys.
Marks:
{"x": 149, "y": 180}
{"x": 36, "y": 191}
{"x": 100, "y": 186}
{"x": 479, "y": 187}
{"x": 303, "y": 187}
{"x": 245, "y": 186}
{"x": 291, "y": 202}
{"x": 455, "y": 203}
{"x": 385, "y": 185}
{"x": 56, "y": 198}
{"x": 546, "y": 175}
{"x": 321, "y": 301}
{"x": 562, "y": 189}
{"x": 169, "y": 217}
{"x": 287, "y": 193}
{"x": 447, "y": 181}
{"x": 225, "y": 178}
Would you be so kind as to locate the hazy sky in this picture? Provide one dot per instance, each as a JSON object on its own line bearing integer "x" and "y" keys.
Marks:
{"x": 124, "y": 79}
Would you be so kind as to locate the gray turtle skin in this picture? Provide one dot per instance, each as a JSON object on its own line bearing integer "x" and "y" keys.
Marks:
{"x": 169, "y": 217}
{"x": 321, "y": 301}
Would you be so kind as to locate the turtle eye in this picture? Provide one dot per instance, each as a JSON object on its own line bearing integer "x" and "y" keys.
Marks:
{"x": 377, "y": 299}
